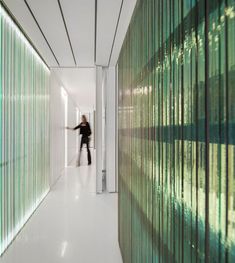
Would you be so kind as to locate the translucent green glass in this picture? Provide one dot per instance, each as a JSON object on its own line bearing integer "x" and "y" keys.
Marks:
{"x": 24, "y": 130}
{"x": 176, "y": 132}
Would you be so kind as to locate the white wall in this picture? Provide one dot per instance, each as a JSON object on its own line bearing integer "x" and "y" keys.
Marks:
{"x": 57, "y": 128}
{"x": 57, "y": 131}
{"x": 92, "y": 122}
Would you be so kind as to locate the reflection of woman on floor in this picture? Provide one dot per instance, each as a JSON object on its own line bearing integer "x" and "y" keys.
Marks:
{"x": 85, "y": 131}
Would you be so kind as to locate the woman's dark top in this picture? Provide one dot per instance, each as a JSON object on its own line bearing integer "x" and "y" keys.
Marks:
{"x": 85, "y": 129}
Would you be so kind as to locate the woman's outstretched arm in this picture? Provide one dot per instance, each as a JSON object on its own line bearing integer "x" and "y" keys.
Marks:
{"x": 75, "y": 128}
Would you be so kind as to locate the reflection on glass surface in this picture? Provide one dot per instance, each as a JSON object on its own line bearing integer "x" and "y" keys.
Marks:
{"x": 176, "y": 142}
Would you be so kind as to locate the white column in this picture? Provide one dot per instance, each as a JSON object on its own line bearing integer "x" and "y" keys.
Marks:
{"x": 98, "y": 124}
{"x": 111, "y": 130}
{"x": 116, "y": 128}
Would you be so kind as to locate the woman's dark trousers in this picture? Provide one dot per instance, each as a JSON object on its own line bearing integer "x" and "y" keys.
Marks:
{"x": 86, "y": 140}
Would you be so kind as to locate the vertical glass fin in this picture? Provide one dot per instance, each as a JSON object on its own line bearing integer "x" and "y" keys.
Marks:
{"x": 176, "y": 75}
{"x": 24, "y": 129}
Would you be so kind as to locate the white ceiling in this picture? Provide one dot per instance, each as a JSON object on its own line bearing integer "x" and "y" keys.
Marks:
{"x": 80, "y": 20}
{"x": 75, "y": 34}
{"x": 47, "y": 14}
{"x": 125, "y": 17}
{"x": 108, "y": 12}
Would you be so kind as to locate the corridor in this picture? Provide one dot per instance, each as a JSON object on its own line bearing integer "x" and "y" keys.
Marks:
{"x": 149, "y": 87}
{"x": 72, "y": 224}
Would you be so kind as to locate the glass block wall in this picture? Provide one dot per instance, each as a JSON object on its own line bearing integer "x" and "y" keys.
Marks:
{"x": 177, "y": 132}
{"x": 24, "y": 130}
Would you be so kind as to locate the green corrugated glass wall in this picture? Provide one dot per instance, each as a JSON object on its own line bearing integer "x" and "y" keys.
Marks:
{"x": 24, "y": 129}
{"x": 177, "y": 132}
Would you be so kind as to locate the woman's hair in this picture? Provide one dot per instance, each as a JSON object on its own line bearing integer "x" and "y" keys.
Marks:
{"x": 84, "y": 119}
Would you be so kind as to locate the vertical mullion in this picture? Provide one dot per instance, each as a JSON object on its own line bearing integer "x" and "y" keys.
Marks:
{"x": 227, "y": 117}
{"x": 207, "y": 134}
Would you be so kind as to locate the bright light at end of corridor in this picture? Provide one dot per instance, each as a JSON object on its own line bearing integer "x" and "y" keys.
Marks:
{"x": 64, "y": 96}
{"x": 64, "y": 248}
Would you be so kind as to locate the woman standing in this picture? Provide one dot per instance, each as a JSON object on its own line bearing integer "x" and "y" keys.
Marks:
{"x": 85, "y": 131}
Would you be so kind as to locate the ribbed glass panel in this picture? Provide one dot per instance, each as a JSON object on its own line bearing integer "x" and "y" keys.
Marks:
{"x": 24, "y": 130}
{"x": 177, "y": 132}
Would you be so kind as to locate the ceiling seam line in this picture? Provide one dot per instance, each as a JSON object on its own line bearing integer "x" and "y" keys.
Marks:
{"x": 67, "y": 32}
{"x": 119, "y": 16}
{"x": 31, "y": 12}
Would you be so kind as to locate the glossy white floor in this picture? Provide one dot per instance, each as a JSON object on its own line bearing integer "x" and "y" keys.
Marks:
{"x": 72, "y": 225}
